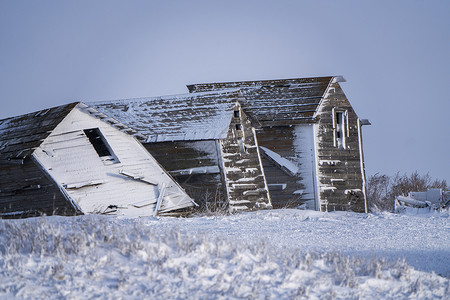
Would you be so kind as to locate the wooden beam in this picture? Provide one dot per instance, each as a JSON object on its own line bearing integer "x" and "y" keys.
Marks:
{"x": 160, "y": 198}
{"x": 11, "y": 161}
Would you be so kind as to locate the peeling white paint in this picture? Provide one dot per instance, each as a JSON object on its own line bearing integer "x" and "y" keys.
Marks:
{"x": 304, "y": 151}
{"x": 72, "y": 161}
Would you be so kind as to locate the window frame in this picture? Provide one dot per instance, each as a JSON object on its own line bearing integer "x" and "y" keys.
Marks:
{"x": 340, "y": 128}
{"x": 94, "y": 140}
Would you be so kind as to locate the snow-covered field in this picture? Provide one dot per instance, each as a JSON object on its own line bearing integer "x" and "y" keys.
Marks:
{"x": 277, "y": 254}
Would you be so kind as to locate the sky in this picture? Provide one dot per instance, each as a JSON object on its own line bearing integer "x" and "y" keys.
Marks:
{"x": 395, "y": 56}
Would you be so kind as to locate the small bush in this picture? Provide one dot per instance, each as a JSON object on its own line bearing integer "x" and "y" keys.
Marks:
{"x": 382, "y": 189}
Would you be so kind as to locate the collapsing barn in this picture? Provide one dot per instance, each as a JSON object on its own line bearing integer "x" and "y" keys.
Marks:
{"x": 71, "y": 159}
{"x": 205, "y": 141}
{"x": 310, "y": 138}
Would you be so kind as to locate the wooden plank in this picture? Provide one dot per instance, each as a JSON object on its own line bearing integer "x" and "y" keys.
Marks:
{"x": 26, "y": 188}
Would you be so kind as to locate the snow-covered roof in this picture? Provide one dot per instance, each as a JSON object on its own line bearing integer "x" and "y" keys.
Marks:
{"x": 276, "y": 102}
{"x": 22, "y": 134}
{"x": 199, "y": 116}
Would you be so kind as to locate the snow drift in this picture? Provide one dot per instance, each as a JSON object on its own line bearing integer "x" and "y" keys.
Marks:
{"x": 251, "y": 255}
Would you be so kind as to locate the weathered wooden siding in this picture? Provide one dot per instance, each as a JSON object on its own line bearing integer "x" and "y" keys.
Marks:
{"x": 99, "y": 187}
{"x": 218, "y": 174}
{"x": 20, "y": 135}
{"x": 340, "y": 181}
{"x": 195, "y": 166}
{"x": 294, "y": 143}
{"x": 26, "y": 191}
{"x": 245, "y": 180}
{"x": 328, "y": 178}
{"x": 281, "y": 102}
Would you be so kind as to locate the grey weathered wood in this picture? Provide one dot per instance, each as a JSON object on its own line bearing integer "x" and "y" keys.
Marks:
{"x": 195, "y": 131}
{"x": 277, "y": 108}
{"x": 68, "y": 175}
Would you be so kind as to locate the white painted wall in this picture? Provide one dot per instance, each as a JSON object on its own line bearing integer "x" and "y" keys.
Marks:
{"x": 70, "y": 159}
{"x": 305, "y": 156}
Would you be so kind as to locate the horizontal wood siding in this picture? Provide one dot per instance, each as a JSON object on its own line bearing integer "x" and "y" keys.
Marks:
{"x": 71, "y": 159}
{"x": 244, "y": 174}
{"x": 22, "y": 134}
{"x": 206, "y": 189}
{"x": 339, "y": 170}
{"x": 281, "y": 140}
{"x": 280, "y": 102}
{"x": 27, "y": 191}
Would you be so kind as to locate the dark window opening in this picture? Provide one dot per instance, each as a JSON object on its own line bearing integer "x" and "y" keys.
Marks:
{"x": 340, "y": 129}
{"x": 238, "y": 127}
{"x": 339, "y": 118}
{"x": 237, "y": 114}
{"x": 95, "y": 137}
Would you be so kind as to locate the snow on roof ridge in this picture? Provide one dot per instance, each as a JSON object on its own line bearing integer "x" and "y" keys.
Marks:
{"x": 265, "y": 80}
{"x": 166, "y": 97}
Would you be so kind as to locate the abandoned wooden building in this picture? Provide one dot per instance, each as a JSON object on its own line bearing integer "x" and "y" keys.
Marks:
{"x": 72, "y": 159}
{"x": 205, "y": 141}
{"x": 310, "y": 140}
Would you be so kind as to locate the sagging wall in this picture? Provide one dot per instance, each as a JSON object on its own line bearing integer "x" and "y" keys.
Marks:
{"x": 128, "y": 183}
{"x": 27, "y": 192}
{"x": 338, "y": 164}
{"x": 244, "y": 173}
{"x": 293, "y": 186}
{"x": 195, "y": 165}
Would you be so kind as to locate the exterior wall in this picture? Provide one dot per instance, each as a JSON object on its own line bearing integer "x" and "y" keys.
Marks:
{"x": 339, "y": 175}
{"x": 294, "y": 143}
{"x": 131, "y": 186}
{"x": 27, "y": 191}
{"x": 195, "y": 165}
{"x": 218, "y": 174}
{"x": 244, "y": 174}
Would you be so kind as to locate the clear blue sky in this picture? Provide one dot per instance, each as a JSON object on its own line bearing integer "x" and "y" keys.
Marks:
{"x": 395, "y": 56}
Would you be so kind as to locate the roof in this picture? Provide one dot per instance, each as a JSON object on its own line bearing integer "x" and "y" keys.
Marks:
{"x": 276, "y": 102}
{"x": 199, "y": 116}
{"x": 22, "y": 134}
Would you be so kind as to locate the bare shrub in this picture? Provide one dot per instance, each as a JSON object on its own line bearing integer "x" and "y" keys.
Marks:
{"x": 378, "y": 189}
{"x": 382, "y": 189}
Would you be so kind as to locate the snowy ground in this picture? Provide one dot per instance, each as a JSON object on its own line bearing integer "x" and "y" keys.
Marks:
{"x": 277, "y": 254}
